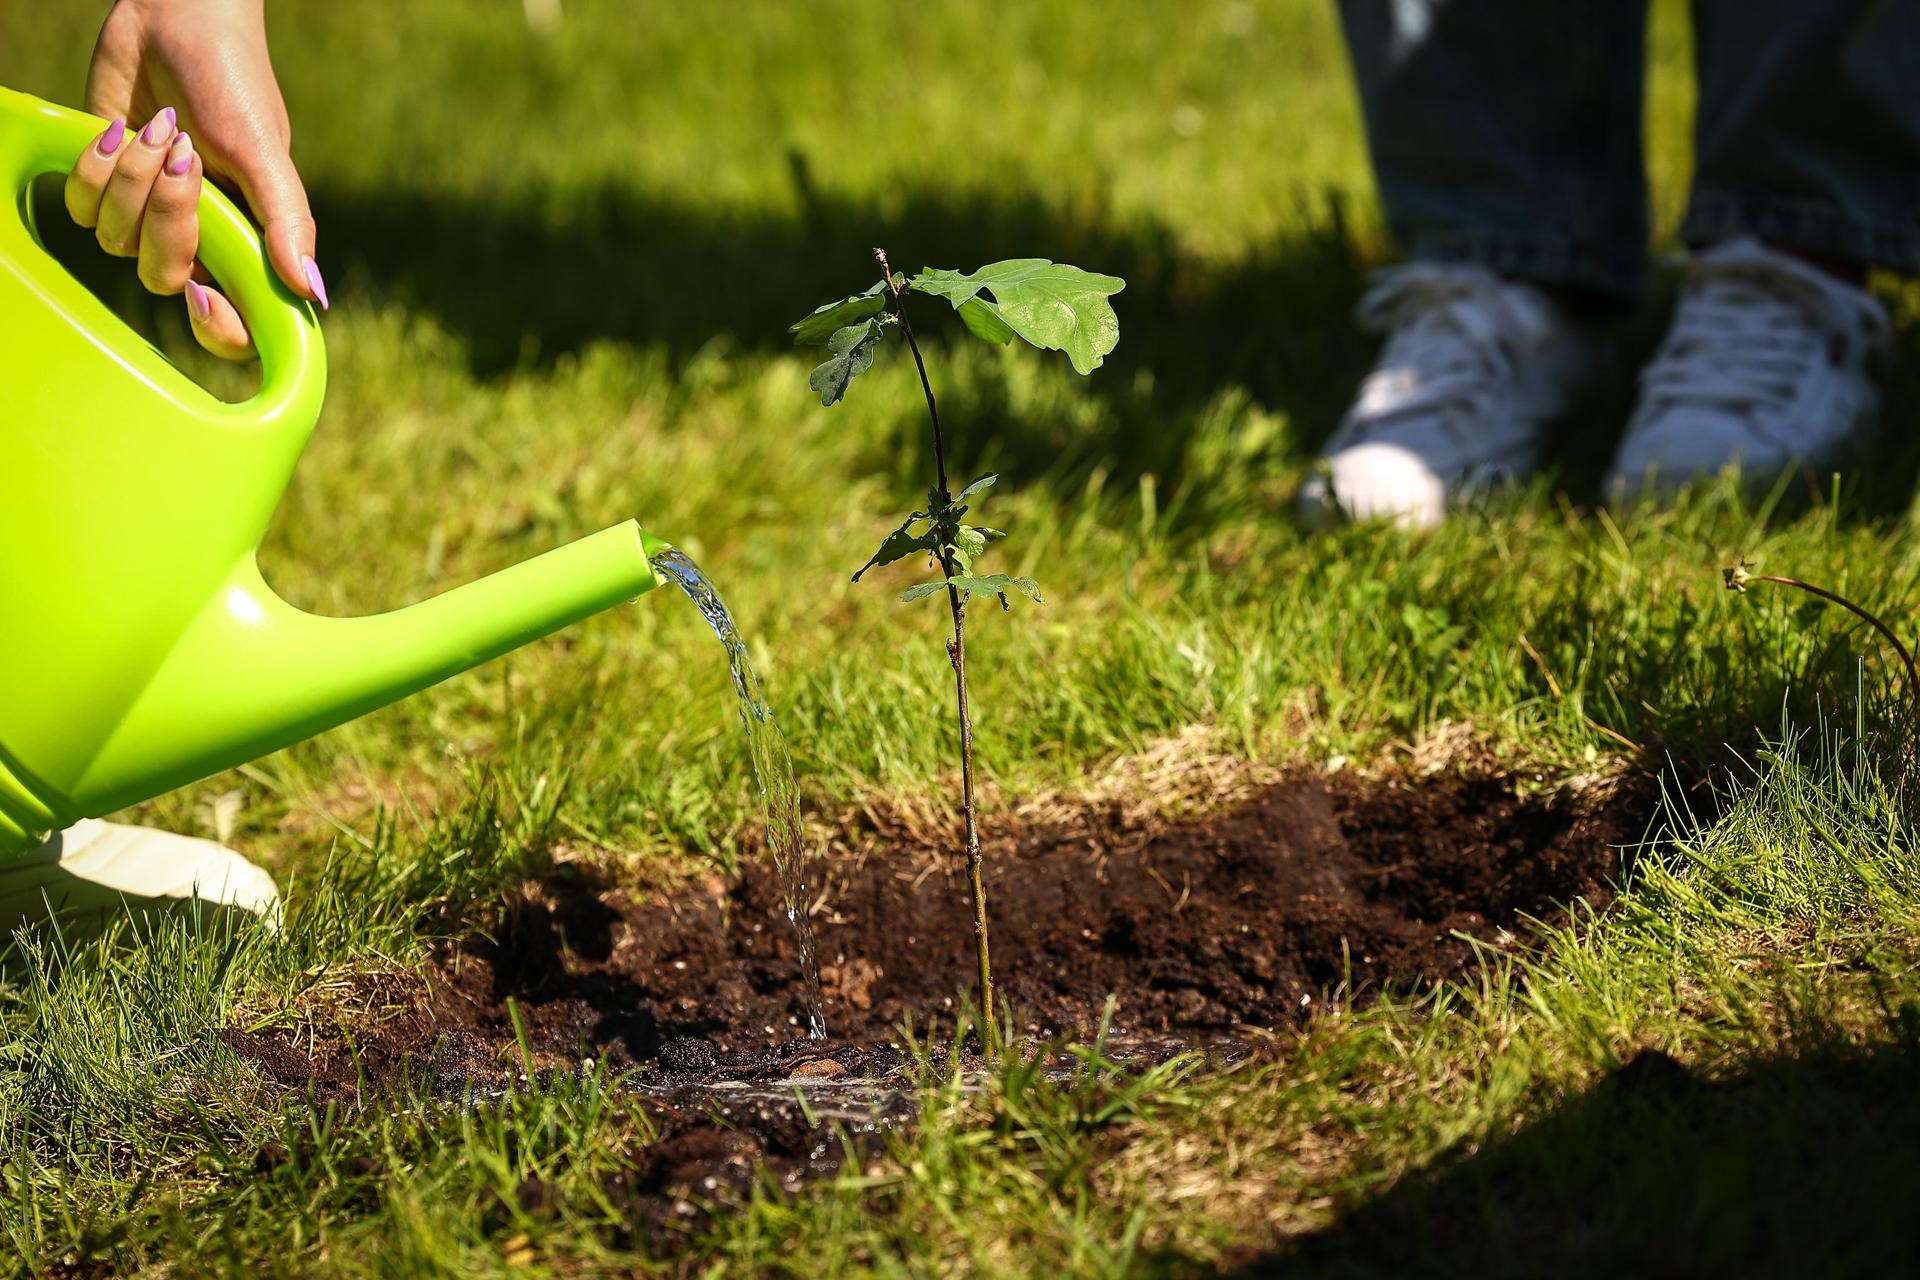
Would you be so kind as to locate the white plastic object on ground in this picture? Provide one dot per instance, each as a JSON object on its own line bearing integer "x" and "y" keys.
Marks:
{"x": 97, "y": 869}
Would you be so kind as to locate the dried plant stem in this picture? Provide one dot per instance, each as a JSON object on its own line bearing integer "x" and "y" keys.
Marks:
{"x": 957, "y": 655}
{"x": 1865, "y": 615}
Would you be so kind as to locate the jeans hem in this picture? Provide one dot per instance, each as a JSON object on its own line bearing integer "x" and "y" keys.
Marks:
{"x": 1811, "y": 225}
{"x": 1541, "y": 259}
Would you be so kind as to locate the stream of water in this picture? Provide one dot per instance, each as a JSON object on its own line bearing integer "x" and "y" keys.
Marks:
{"x": 772, "y": 769}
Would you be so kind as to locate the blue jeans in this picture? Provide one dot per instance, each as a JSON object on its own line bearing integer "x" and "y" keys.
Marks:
{"x": 1507, "y": 132}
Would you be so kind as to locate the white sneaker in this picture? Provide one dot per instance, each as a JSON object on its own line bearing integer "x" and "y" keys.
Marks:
{"x": 95, "y": 869}
{"x": 1474, "y": 369}
{"x": 1768, "y": 364}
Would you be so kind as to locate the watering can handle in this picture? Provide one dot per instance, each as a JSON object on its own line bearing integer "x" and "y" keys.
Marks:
{"x": 285, "y": 329}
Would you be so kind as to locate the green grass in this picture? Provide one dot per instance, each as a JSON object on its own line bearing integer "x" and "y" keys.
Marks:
{"x": 563, "y": 268}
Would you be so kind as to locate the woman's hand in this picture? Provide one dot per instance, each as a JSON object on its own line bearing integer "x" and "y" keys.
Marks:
{"x": 197, "y": 73}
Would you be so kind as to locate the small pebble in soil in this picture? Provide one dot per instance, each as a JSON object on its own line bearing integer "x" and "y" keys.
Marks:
{"x": 821, "y": 1069}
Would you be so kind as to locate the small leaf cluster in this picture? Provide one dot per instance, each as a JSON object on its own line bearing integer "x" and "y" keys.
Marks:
{"x": 939, "y": 534}
{"x": 1051, "y": 305}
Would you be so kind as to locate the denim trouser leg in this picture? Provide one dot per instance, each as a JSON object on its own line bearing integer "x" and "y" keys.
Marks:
{"x": 1507, "y": 132}
{"x": 1808, "y": 131}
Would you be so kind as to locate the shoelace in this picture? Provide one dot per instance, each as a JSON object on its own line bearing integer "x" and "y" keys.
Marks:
{"x": 1452, "y": 334}
{"x": 1746, "y": 334}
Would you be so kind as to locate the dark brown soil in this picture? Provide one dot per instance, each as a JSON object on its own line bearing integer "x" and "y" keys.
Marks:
{"x": 1319, "y": 888}
{"x": 1251, "y": 918}
{"x": 1319, "y": 891}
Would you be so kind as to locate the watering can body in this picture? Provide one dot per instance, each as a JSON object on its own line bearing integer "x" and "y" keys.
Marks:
{"x": 140, "y": 649}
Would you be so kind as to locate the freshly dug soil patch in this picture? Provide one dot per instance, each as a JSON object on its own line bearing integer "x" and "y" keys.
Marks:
{"x": 1319, "y": 888}
{"x": 1317, "y": 891}
{"x": 1253, "y": 917}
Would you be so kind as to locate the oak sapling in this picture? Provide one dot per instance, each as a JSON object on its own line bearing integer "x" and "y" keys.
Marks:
{"x": 1048, "y": 304}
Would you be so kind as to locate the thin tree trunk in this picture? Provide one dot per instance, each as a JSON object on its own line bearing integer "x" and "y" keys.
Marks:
{"x": 957, "y": 653}
{"x": 989, "y": 1034}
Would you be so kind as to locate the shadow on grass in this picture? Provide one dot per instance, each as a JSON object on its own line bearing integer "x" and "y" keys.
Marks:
{"x": 1797, "y": 1166}
{"x": 528, "y": 284}
{"x": 525, "y": 281}
{"x": 523, "y": 286}
{"x": 530, "y": 278}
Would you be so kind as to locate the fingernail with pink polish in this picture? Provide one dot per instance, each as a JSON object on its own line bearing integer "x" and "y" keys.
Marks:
{"x": 112, "y": 136}
{"x": 311, "y": 270}
{"x": 158, "y": 127}
{"x": 180, "y": 155}
{"x": 198, "y": 300}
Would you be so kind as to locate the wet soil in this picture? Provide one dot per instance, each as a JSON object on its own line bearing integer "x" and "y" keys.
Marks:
{"x": 1319, "y": 891}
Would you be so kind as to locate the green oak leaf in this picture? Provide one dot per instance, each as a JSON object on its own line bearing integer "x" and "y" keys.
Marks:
{"x": 992, "y": 584}
{"x": 968, "y": 542}
{"x": 853, "y": 348}
{"x": 997, "y": 584}
{"x": 827, "y": 319}
{"x": 1052, "y": 305}
{"x": 900, "y": 544}
{"x": 984, "y": 320}
{"x": 981, "y": 485}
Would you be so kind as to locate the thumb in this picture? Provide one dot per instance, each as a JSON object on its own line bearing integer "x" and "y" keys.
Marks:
{"x": 274, "y": 192}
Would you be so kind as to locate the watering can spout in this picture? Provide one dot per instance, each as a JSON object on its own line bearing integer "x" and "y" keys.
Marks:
{"x": 252, "y": 673}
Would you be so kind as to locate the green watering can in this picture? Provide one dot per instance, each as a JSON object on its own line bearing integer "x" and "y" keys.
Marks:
{"x": 140, "y": 650}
